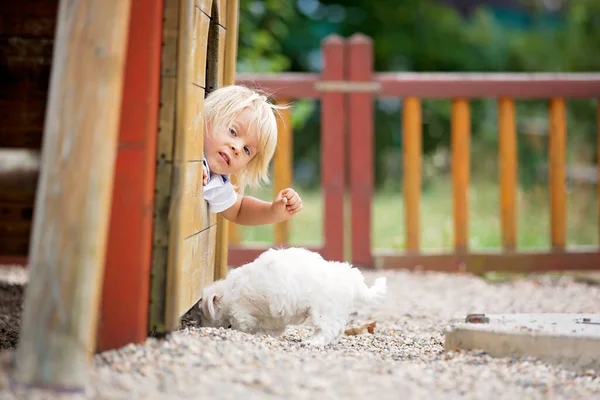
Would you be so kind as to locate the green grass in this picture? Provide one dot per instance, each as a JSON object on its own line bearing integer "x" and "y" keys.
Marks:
{"x": 533, "y": 222}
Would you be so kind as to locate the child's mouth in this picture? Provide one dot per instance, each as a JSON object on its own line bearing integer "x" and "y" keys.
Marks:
{"x": 225, "y": 157}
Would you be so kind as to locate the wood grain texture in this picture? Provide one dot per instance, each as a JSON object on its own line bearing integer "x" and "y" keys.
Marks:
{"x": 361, "y": 131}
{"x": 461, "y": 150}
{"x": 557, "y": 172}
{"x": 226, "y": 230}
{"x": 164, "y": 166}
{"x": 282, "y": 165}
{"x": 124, "y": 310}
{"x": 507, "y": 142}
{"x": 333, "y": 127}
{"x": 412, "y": 127}
{"x": 73, "y": 201}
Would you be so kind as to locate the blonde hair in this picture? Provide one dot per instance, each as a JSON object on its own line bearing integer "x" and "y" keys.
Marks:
{"x": 223, "y": 105}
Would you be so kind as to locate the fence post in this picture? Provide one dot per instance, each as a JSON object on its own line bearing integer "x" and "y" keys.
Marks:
{"x": 360, "y": 112}
{"x": 333, "y": 120}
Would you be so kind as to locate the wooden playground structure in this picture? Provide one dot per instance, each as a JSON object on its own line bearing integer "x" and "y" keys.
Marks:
{"x": 120, "y": 242}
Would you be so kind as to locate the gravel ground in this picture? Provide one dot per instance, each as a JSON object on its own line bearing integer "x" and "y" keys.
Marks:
{"x": 404, "y": 358}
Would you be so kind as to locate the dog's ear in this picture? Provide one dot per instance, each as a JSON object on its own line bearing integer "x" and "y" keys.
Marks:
{"x": 212, "y": 305}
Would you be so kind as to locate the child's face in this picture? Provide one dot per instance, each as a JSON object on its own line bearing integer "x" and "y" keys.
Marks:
{"x": 229, "y": 149}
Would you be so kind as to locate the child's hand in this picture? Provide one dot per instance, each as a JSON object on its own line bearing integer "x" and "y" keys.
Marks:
{"x": 204, "y": 176}
{"x": 287, "y": 203}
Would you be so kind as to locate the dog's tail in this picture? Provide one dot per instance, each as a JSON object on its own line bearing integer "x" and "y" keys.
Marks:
{"x": 376, "y": 293}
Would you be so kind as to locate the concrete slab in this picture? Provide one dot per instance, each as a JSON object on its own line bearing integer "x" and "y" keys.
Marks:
{"x": 570, "y": 339}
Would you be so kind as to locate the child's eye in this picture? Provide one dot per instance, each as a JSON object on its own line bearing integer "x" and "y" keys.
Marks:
{"x": 233, "y": 132}
{"x": 247, "y": 150}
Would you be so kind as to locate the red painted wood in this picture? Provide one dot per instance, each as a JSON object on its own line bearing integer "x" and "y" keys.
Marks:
{"x": 20, "y": 261}
{"x": 479, "y": 262}
{"x": 333, "y": 119}
{"x": 361, "y": 132}
{"x": 239, "y": 255}
{"x": 290, "y": 86}
{"x": 125, "y": 295}
{"x": 488, "y": 85}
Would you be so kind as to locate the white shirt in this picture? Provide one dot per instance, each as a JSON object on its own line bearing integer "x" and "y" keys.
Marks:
{"x": 218, "y": 192}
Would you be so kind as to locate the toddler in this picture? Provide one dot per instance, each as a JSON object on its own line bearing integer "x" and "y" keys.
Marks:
{"x": 240, "y": 135}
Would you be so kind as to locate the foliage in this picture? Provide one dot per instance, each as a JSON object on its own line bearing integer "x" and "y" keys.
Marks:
{"x": 426, "y": 35}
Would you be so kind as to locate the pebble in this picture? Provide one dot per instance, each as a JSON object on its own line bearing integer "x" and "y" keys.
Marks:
{"x": 405, "y": 357}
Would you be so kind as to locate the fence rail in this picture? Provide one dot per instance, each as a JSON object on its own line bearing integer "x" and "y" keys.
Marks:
{"x": 347, "y": 87}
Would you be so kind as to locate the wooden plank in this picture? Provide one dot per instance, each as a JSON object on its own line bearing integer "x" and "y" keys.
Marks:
{"x": 183, "y": 126}
{"x": 194, "y": 127}
{"x": 124, "y": 310}
{"x": 441, "y": 85}
{"x": 221, "y": 55}
{"x": 488, "y": 85}
{"x": 204, "y": 5}
{"x": 480, "y": 262}
{"x": 225, "y": 229}
{"x": 292, "y": 86}
{"x": 361, "y": 138}
{"x": 507, "y": 141}
{"x": 200, "y": 46}
{"x": 194, "y": 211}
{"x": 197, "y": 267}
{"x": 332, "y": 152}
{"x": 164, "y": 166}
{"x": 170, "y": 35}
{"x": 31, "y": 18}
{"x": 223, "y": 6}
{"x": 556, "y": 153}
{"x": 283, "y": 165}
{"x": 13, "y": 261}
{"x": 166, "y": 114}
{"x": 58, "y": 332}
{"x": 411, "y": 171}
{"x": 461, "y": 131}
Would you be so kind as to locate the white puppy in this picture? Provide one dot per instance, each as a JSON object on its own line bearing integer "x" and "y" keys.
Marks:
{"x": 289, "y": 287}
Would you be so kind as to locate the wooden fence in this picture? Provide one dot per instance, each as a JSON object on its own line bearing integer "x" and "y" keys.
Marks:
{"x": 347, "y": 87}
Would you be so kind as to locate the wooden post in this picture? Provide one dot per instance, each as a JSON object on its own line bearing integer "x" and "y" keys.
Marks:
{"x": 557, "y": 172}
{"x": 361, "y": 137}
{"x": 73, "y": 199}
{"x": 283, "y": 165}
{"x": 124, "y": 310}
{"x": 461, "y": 132}
{"x": 508, "y": 171}
{"x": 332, "y": 149}
{"x": 221, "y": 262}
{"x": 412, "y": 128}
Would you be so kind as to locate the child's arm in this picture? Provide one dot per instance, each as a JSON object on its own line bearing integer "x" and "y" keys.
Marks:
{"x": 248, "y": 210}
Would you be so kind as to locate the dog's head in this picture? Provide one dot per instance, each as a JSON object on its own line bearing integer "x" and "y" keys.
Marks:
{"x": 212, "y": 307}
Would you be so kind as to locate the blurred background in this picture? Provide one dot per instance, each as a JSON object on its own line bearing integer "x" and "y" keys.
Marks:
{"x": 440, "y": 36}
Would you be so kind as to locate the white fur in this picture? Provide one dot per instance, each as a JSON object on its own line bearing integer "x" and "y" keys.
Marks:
{"x": 289, "y": 287}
